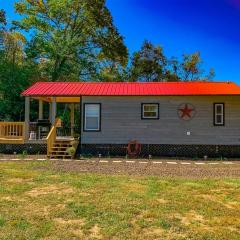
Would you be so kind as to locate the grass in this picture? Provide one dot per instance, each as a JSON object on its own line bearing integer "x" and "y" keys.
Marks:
{"x": 40, "y": 204}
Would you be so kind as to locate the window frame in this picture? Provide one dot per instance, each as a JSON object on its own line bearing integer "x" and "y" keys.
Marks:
{"x": 149, "y": 118}
{"x": 215, "y": 114}
{"x": 99, "y": 120}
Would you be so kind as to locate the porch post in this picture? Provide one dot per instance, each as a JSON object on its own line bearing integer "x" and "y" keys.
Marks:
{"x": 40, "y": 109}
{"x": 54, "y": 110}
{"x": 50, "y": 112}
{"x": 72, "y": 119}
{"x": 27, "y": 117}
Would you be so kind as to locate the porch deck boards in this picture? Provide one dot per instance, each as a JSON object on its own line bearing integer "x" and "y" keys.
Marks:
{"x": 11, "y": 140}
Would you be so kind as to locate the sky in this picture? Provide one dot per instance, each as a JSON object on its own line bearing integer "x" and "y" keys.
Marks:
{"x": 180, "y": 26}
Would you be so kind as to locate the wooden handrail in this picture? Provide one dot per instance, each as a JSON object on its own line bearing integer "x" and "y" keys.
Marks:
{"x": 12, "y": 130}
{"x": 51, "y": 138}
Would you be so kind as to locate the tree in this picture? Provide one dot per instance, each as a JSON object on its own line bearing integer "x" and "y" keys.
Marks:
{"x": 190, "y": 68}
{"x": 13, "y": 44}
{"x": 12, "y": 83}
{"x": 150, "y": 64}
{"x": 2, "y": 17}
{"x": 71, "y": 37}
{"x": 16, "y": 72}
{"x": 3, "y": 24}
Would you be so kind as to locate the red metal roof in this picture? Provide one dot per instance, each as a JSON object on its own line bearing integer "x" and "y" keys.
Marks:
{"x": 131, "y": 89}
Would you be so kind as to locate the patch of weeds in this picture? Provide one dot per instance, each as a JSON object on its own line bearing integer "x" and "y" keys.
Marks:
{"x": 21, "y": 224}
{"x": 89, "y": 155}
{"x": 44, "y": 229}
{"x": 95, "y": 215}
{"x": 2, "y": 221}
{"x": 23, "y": 155}
{"x": 21, "y": 188}
{"x": 87, "y": 181}
{"x": 82, "y": 210}
{"x": 122, "y": 230}
{"x": 163, "y": 223}
{"x": 143, "y": 223}
{"x": 107, "y": 218}
{"x": 135, "y": 195}
{"x": 3, "y": 189}
{"x": 71, "y": 151}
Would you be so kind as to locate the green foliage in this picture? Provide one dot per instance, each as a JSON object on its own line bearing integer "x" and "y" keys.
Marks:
{"x": 2, "y": 27}
{"x": 2, "y": 17}
{"x": 148, "y": 64}
{"x": 190, "y": 68}
{"x": 14, "y": 79}
{"x": 72, "y": 39}
{"x": 2, "y": 221}
{"x": 71, "y": 151}
{"x": 23, "y": 155}
{"x": 151, "y": 65}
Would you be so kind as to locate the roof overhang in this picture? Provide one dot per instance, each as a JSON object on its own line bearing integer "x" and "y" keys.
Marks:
{"x": 64, "y": 90}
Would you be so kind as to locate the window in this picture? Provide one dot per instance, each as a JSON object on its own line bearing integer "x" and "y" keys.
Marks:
{"x": 219, "y": 115}
{"x": 150, "y": 111}
{"x": 92, "y": 112}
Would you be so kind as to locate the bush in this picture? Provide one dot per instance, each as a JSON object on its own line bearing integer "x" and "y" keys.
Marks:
{"x": 71, "y": 151}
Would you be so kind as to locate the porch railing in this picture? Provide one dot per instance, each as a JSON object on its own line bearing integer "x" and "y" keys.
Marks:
{"x": 51, "y": 138}
{"x": 12, "y": 132}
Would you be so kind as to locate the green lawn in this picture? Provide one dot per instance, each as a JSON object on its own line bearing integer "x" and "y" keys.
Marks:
{"x": 40, "y": 204}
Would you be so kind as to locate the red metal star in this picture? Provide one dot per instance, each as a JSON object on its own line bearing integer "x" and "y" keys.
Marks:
{"x": 186, "y": 112}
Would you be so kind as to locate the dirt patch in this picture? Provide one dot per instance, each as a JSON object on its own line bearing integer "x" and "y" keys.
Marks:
{"x": 162, "y": 201}
{"x": 7, "y": 198}
{"x": 75, "y": 225}
{"x": 79, "y": 222}
{"x": 46, "y": 210}
{"x": 134, "y": 187}
{"x": 190, "y": 217}
{"x": 233, "y": 229}
{"x": 72, "y": 225}
{"x": 137, "y": 217}
{"x": 84, "y": 194}
{"x": 17, "y": 180}
{"x": 154, "y": 232}
{"x": 50, "y": 189}
{"x": 229, "y": 205}
{"x": 77, "y": 233}
{"x": 95, "y": 232}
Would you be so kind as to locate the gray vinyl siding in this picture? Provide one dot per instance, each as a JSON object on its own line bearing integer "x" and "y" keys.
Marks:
{"x": 121, "y": 121}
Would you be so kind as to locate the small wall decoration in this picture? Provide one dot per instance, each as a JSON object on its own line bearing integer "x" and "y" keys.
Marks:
{"x": 186, "y": 111}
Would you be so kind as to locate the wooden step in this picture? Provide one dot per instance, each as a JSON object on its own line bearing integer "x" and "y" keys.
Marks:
{"x": 62, "y": 144}
{"x": 59, "y": 147}
{"x": 64, "y": 147}
{"x": 57, "y": 152}
{"x": 60, "y": 157}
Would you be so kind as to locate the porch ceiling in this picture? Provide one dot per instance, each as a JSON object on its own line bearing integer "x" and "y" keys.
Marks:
{"x": 59, "y": 99}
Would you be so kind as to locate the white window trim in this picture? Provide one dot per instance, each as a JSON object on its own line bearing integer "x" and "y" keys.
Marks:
{"x": 150, "y": 104}
{"x": 216, "y": 123}
{"x": 99, "y": 118}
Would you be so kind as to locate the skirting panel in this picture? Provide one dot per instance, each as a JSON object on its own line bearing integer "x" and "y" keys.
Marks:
{"x": 193, "y": 151}
{"x": 20, "y": 148}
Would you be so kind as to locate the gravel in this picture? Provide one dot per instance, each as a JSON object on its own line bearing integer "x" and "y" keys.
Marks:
{"x": 151, "y": 168}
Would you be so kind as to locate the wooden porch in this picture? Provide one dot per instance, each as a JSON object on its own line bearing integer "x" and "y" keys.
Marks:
{"x": 31, "y": 132}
